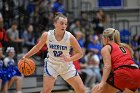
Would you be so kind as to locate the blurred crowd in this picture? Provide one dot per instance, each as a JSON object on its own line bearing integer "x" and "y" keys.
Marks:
{"x": 23, "y": 21}
{"x": 9, "y": 73}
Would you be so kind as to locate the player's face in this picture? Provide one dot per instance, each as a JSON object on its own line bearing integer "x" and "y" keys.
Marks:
{"x": 61, "y": 24}
{"x": 104, "y": 40}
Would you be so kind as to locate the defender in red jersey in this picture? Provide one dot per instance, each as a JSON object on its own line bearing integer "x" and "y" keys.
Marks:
{"x": 120, "y": 73}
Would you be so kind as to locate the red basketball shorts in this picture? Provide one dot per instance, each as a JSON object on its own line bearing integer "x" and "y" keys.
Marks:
{"x": 125, "y": 78}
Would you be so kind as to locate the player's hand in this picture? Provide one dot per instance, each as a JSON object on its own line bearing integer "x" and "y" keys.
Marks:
{"x": 66, "y": 58}
{"x": 98, "y": 88}
{"x": 23, "y": 58}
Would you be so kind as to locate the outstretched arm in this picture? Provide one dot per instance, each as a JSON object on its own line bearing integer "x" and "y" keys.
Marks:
{"x": 38, "y": 46}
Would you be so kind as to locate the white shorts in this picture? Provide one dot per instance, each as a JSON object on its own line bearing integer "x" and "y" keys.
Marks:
{"x": 65, "y": 70}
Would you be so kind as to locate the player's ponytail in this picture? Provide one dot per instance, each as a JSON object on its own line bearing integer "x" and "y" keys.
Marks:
{"x": 117, "y": 40}
{"x": 114, "y": 35}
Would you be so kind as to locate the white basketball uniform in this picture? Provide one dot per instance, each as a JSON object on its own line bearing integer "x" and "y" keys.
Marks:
{"x": 54, "y": 64}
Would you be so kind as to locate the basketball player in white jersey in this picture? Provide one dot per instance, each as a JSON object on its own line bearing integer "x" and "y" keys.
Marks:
{"x": 59, "y": 61}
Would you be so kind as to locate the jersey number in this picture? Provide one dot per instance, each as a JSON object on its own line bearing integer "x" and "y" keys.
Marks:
{"x": 123, "y": 50}
{"x": 57, "y": 53}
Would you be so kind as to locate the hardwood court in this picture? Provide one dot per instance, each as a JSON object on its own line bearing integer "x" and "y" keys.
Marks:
{"x": 70, "y": 91}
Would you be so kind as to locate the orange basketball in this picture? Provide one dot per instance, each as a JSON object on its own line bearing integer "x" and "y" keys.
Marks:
{"x": 26, "y": 66}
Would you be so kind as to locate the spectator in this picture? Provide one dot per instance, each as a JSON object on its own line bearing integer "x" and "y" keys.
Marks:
{"x": 136, "y": 47}
{"x": 28, "y": 37}
{"x": 3, "y": 75}
{"x": 94, "y": 48}
{"x": 1, "y": 65}
{"x": 1, "y": 72}
{"x": 12, "y": 70}
{"x": 13, "y": 36}
{"x": 3, "y": 36}
{"x": 30, "y": 11}
{"x": 44, "y": 13}
{"x": 79, "y": 37}
{"x": 58, "y": 7}
{"x": 86, "y": 68}
{"x": 1, "y": 5}
{"x": 76, "y": 26}
{"x": 100, "y": 21}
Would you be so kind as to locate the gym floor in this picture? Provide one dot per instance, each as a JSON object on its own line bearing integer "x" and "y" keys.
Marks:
{"x": 70, "y": 91}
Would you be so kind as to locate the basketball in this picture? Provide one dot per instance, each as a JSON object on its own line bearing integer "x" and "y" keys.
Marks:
{"x": 26, "y": 66}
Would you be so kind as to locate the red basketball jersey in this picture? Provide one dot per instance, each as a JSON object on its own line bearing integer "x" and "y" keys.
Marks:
{"x": 120, "y": 56}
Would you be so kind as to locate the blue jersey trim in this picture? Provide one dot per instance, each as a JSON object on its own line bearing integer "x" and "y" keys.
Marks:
{"x": 47, "y": 70}
{"x": 76, "y": 73}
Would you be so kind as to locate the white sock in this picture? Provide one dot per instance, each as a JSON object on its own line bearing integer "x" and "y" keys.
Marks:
{"x": 19, "y": 92}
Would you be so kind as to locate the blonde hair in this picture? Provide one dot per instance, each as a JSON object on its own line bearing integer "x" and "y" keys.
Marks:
{"x": 57, "y": 15}
{"x": 114, "y": 35}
